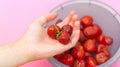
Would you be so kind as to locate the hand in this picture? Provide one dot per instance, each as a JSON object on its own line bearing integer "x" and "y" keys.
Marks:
{"x": 36, "y": 44}
{"x": 41, "y": 45}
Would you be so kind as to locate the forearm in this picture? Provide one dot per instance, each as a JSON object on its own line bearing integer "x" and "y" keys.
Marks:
{"x": 14, "y": 54}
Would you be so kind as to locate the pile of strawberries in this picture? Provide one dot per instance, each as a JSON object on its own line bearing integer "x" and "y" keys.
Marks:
{"x": 62, "y": 35}
{"x": 91, "y": 49}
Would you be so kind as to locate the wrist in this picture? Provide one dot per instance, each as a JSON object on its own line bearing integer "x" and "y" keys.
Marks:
{"x": 14, "y": 54}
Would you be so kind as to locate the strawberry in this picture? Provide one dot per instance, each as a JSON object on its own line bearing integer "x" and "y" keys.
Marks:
{"x": 79, "y": 63}
{"x": 86, "y": 21}
{"x": 90, "y": 46}
{"x": 103, "y": 48}
{"x": 67, "y": 59}
{"x": 59, "y": 56}
{"x": 91, "y": 62}
{"x": 52, "y": 31}
{"x": 67, "y": 28}
{"x": 59, "y": 21}
{"x": 101, "y": 57}
{"x": 78, "y": 52}
{"x": 102, "y": 39}
{"x": 64, "y": 38}
{"x": 92, "y": 31}
{"x": 82, "y": 37}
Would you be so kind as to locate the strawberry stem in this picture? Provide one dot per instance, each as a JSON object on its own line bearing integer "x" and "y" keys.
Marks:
{"x": 58, "y": 34}
{"x": 56, "y": 28}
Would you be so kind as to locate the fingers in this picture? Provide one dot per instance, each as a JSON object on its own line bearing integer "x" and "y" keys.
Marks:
{"x": 46, "y": 18}
{"x": 75, "y": 36}
{"x": 67, "y": 19}
{"x": 74, "y": 18}
{"x": 76, "y": 33}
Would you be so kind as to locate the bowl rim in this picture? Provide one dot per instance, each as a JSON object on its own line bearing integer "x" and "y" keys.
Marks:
{"x": 103, "y": 5}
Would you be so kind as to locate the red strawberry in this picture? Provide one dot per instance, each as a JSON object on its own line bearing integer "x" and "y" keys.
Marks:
{"x": 67, "y": 28}
{"x": 52, "y": 31}
{"x": 100, "y": 38}
{"x": 81, "y": 28}
{"x": 79, "y": 63}
{"x": 103, "y": 48}
{"x": 108, "y": 41}
{"x": 101, "y": 57}
{"x": 67, "y": 59}
{"x": 92, "y": 31}
{"x": 91, "y": 62}
{"x": 82, "y": 37}
{"x": 59, "y": 56}
{"x": 64, "y": 38}
{"x": 78, "y": 52}
{"x": 105, "y": 40}
{"x": 90, "y": 46}
{"x": 87, "y": 54}
{"x": 86, "y": 21}
{"x": 58, "y": 21}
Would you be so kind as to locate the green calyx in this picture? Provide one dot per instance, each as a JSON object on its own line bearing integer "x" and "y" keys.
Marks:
{"x": 58, "y": 34}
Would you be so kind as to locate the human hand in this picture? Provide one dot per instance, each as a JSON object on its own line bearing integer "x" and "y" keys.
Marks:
{"x": 40, "y": 45}
{"x": 36, "y": 44}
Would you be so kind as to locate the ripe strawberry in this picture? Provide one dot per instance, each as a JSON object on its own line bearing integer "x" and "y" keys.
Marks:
{"x": 101, "y": 57}
{"x": 67, "y": 59}
{"x": 52, "y": 31}
{"x": 58, "y": 21}
{"x": 86, "y": 21}
{"x": 90, "y": 46}
{"x": 105, "y": 40}
{"x": 108, "y": 41}
{"x": 67, "y": 28}
{"x": 87, "y": 54}
{"x": 78, "y": 52}
{"x": 81, "y": 28}
{"x": 78, "y": 44}
{"x": 79, "y": 63}
{"x": 64, "y": 38}
{"x": 82, "y": 37}
{"x": 100, "y": 38}
{"x": 103, "y": 48}
{"x": 91, "y": 62}
{"x": 92, "y": 31}
{"x": 59, "y": 56}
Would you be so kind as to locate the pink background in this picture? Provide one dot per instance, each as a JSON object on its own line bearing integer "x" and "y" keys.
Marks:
{"x": 16, "y": 15}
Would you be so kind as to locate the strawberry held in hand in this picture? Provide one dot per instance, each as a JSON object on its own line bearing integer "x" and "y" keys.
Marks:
{"x": 58, "y": 21}
{"x": 52, "y": 31}
{"x": 64, "y": 38}
{"x": 67, "y": 28}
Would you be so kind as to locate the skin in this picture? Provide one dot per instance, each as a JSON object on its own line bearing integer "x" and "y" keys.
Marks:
{"x": 35, "y": 44}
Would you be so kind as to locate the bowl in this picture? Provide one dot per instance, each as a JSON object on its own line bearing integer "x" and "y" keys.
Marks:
{"x": 103, "y": 15}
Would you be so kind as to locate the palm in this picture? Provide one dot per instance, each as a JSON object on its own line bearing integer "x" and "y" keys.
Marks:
{"x": 47, "y": 46}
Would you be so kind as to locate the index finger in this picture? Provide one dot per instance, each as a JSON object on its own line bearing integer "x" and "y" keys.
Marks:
{"x": 46, "y": 18}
